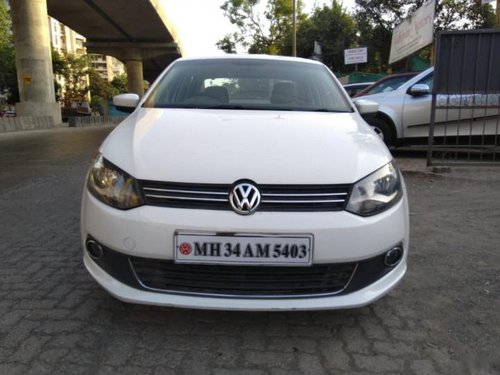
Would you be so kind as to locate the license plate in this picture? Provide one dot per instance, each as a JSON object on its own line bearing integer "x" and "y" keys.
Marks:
{"x": 244, "y": 249}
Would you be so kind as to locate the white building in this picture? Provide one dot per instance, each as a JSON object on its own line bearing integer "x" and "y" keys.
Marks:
{"x": 65, "y": 40}
{"x": 107, "y": 66}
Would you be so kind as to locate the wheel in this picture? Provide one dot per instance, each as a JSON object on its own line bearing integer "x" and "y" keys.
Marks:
{"x": 383, "y": 130}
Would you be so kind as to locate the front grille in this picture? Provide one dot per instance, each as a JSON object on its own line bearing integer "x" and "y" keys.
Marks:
{"x": 241, "y": 281}
{"x": 273, "y": 197}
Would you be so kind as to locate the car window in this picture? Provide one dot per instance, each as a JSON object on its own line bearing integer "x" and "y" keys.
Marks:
{"x": 389, "y": 84}
{"x": 248, "y": 84}
{"x": 353, "y": 90}
{"x": 429, "y": 81}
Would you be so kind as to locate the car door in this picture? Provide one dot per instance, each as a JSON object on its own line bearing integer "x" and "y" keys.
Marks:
{"x": 417, "y": 111}
{"x": 448, "y": 121}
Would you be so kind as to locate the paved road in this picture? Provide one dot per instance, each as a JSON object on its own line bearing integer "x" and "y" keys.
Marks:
{"x": 54, "y": 319}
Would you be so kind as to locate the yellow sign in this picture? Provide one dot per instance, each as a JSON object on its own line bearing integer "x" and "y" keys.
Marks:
{"x": 27, "y": 79}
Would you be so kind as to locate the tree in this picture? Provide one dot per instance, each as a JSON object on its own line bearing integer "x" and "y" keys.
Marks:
{"x": 100, "y": 87}
{"x": 100, "y": 90}
{"x": 333, "y": 28}
{"x": 8, "y": 75}
{"x": 73, "y": 69}
{"x": 262, "y": 28}
{"x": 119, "y": 82}
{"x": 450, "y": 14}
{"x": 228, "y": 43}
{"x": 377, "y": 18}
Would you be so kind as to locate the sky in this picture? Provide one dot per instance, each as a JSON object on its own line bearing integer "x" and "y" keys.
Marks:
{"x": 201, "y": 23}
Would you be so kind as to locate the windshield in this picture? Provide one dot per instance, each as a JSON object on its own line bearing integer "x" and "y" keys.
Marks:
{"x": 389, "y": 84}
{"x": 248, "y": 84}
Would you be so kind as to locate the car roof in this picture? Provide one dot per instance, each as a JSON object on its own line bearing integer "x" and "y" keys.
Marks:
{"x": 397, "y": 75}
{"x": 250, "y": 57}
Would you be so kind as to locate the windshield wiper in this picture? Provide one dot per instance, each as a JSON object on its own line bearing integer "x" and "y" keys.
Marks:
{"x": 328, "y": 110}
{"x": 226, "y": 106}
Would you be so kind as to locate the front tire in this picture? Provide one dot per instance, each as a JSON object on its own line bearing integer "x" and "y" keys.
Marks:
{"x": 384, "y": 131}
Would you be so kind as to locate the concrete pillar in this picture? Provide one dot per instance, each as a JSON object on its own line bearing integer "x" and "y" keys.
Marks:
{"x": 34, "y": 60}
{"x": 135, "y": 77}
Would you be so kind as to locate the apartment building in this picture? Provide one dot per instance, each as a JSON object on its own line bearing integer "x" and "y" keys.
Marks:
{"x": 66, "y": 40}
{"x": 107, "y": 66}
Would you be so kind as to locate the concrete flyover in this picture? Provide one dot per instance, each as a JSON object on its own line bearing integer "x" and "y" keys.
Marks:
{"x": 137, "y": 32}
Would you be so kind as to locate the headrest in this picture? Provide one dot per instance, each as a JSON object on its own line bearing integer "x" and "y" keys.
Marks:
{"x": 217, "y": 92}
{"x": 283, "y": 93}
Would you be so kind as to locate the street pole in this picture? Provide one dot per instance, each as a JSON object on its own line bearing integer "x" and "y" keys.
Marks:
{"x": 498, "y": 12}
{"x": 294, "y": 30}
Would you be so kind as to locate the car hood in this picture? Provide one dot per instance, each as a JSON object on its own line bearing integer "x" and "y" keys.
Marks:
{"x": 223, "y": 146}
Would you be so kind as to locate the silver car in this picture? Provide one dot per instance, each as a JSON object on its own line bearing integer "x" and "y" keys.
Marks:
{"x": 404, "y": 114}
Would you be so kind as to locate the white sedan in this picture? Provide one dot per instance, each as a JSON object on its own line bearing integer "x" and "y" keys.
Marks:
{"x": 245, "y": 183}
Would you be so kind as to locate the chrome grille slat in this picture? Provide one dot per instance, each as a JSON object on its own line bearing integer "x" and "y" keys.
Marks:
{"x": 301, "y": 195}
{"x": 186, "y": 198}
{"x": 301, "y": 202}
{"x": 299, "y": 198}
{"x": 184, "y": 191}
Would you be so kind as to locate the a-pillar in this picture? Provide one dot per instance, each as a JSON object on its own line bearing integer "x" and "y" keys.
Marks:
{"x": 135, "y": 77}
{"x": 34, "y": 60}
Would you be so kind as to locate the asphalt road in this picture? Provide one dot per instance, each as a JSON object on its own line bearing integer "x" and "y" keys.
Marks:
{"x": 54, "y": 319}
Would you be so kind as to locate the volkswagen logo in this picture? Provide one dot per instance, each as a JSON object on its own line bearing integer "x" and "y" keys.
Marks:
{"x": 244, "y": 198}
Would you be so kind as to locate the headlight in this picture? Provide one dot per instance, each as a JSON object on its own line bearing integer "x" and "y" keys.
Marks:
{"x": 376, "y": 192}
{"x": 113, "y": 186}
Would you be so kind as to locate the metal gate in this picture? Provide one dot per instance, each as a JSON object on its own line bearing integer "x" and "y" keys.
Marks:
{"x": 465, "y": 112}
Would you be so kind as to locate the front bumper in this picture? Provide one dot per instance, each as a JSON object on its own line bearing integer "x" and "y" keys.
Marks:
{"x": 356, "y": 299}
{"x": 339, "y": 237}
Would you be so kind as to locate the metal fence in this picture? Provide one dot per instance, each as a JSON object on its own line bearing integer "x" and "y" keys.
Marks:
{"x": 465, "y": 112}
{"x": 86, "y": 121}
{"x": 12, "y": 124}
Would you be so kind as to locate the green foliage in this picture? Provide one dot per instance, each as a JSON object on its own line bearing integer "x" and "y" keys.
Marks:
{"x": 334, "y": 29}
{"x": 262, "y": 28}
{"x": 267, "y": 28}
{"x": 8, "y": 75}
{"x": 228, "y": 43}
{"x": 119, "y": 82}
{"x": 5, "y": 25}
{"x": 463, "y": 15}
{"x": 377, "y": 18}
{"x": 58, "y": 62}
{"x": 99, "y": 87}
{"x": 74, "y": 70}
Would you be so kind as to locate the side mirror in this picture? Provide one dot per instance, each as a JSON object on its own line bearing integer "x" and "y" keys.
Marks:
{"x": 419, "y": 89}
{"x": 366, "y": 107}
{"x": 126, "y": 102}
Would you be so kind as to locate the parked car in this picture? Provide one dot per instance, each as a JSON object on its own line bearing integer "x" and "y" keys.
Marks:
{"x": 245, "y": 183}
{"x": 354, "y": 88}
{"x": 404, "y": 113}
{"x": 7, "y": 113}
{"x": 387, "y": 84}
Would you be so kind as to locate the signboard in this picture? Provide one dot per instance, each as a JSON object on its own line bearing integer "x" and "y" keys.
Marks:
{"x": 317, "y": 52}
{"x": 355, "y": 55}
{"x": 414, "y": 33}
